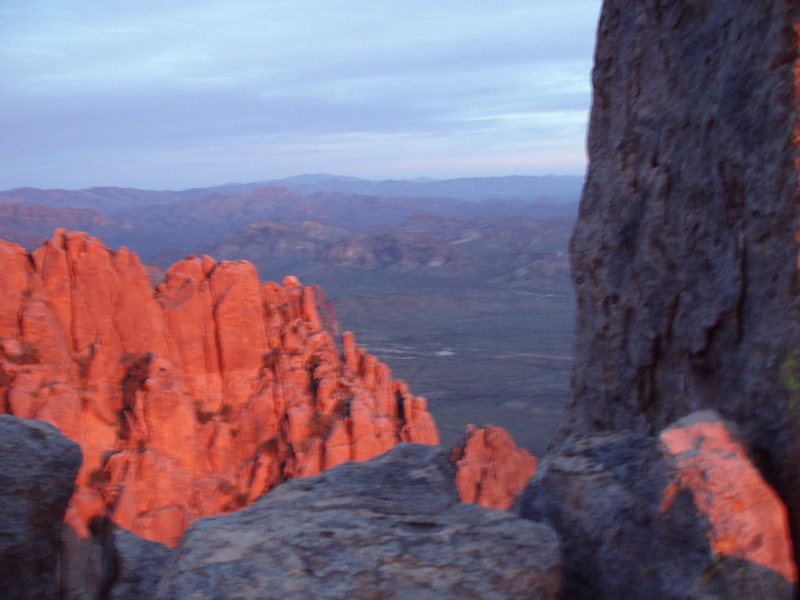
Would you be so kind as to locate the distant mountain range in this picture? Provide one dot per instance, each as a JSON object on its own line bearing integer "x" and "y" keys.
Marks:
{"x": 546, "y": 188}
{"x": 557, "y": 188}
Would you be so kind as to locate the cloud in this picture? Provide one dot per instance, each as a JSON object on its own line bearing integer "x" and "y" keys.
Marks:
{"x": 118, "y": 83}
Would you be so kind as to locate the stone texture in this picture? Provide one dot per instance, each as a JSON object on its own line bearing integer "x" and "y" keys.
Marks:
{"x": 746, "y": 518}
{"x": 684, "y": 515}
{"x": 490, "y": 468}
{"x": 684, "y": 255}
{"x": 391, "y": 527}
{"x": 37, "y": 469}
{"x": 138, "y": 566}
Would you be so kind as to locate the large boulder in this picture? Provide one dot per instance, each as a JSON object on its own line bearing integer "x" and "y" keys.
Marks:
{"x": 37, "y": 470}
{"x": 391, "y": 527}
{"x": 684, "y": 515}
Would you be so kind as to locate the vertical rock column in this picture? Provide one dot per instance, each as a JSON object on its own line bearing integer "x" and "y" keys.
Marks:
{"x": 684, "y": 254}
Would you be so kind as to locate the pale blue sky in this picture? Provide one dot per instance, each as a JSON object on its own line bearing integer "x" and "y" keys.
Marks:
{"x": 176, "y": 94}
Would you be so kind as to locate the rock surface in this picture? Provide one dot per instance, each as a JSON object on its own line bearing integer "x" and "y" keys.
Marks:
{"x": 684, "y": 255}
{"x": 37, "y": 469}
{"x": 490, "y": 469}
{"x": 190, "y": 399}
{"x": 138, "y": 567}
{"x": 686, "y": 515}
{"x": 391, "y": 527}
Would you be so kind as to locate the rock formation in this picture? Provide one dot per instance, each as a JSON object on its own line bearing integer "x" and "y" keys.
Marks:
{"x": 37, "y": 469}
{"x": 190, "y": 399}
{"x": 490, "y": 469}
{"x": 391, "y": 527}
{"x": 684, "y": 254}
{"x": 684, "y": 515}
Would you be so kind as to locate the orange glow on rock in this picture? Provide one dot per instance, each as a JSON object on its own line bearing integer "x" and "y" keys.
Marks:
{"x": 191, "y": 399}
{"x": 490, "y": 469}
{"x": 747, "y": 519}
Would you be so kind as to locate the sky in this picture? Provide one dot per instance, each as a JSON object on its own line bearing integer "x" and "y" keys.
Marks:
{"x": 172, "y": 94}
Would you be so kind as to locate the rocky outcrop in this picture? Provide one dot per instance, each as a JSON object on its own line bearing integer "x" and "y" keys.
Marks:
{"x": 37, "y": 469}
{"x": 391, "y": 527}
{"x": 191, "y": 399}
{"x": 684, "y": 254}
{"x": 490, "y": 469}
{"x": 684, "y": 515}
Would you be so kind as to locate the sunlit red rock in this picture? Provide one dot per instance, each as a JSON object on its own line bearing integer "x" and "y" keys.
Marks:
{"x": 747, "y": 519}
{"x": 193, "y": 398}
{"x": 490, "y": 469}
{"x": 684, "y": 514}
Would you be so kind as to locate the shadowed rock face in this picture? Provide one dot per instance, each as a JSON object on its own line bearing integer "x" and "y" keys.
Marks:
{"x": 191, "y": 399}
{"x": 391, "y": 527}
{"x": 37, "y": 470}
{"x": 139, "y": 566}
{"x": 684, "y": 255}
{"x": 683, "y": 515}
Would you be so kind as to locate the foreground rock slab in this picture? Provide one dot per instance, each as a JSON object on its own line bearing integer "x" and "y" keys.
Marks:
{"x": 684, "y": 515}
{"x": 391, "y": 527}
{"x": 37, "y": 469}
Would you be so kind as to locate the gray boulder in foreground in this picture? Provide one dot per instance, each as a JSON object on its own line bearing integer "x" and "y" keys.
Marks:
{"x": 684, "y": 515}
{"x": 139, "y": 564}
{"x": 391, "y": 527}
{"x": 37, "y": 470}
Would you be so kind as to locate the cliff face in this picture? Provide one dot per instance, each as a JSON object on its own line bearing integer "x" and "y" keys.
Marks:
{"x": 190, "y": 399}
{"x": 684, "y": 254}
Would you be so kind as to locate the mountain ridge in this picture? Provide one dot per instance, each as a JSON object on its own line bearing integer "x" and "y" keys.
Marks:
{"x": 563, "y": 188}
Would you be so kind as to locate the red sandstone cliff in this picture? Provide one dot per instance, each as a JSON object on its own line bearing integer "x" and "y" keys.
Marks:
{"x": 190, "y": 399}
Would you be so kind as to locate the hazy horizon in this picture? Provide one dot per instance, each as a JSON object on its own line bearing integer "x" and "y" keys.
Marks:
{"x": 277, "y": 180}
{"x": 173, "y": 96}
